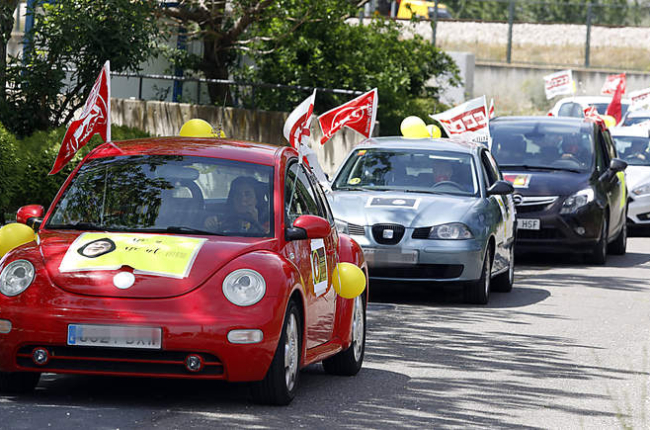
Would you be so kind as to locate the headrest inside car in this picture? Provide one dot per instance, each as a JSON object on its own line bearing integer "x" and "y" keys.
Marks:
{"x": 170, "y": 171}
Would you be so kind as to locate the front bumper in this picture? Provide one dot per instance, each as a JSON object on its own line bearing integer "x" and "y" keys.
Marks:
{"x": 560, "y": 232}
{"x": 422, "y": 260}
{"x": 40, "y": 317}
{"x": 638, "y": 210}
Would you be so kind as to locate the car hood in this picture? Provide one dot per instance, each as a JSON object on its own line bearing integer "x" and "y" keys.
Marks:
{"x": 546, "y": 183}
{"x": 407, "y": 209}
{"x": 213, "y": 254}
{"x": 636, "y": 176}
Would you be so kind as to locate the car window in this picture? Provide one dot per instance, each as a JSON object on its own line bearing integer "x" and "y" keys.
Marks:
{"x": 635, "y": 150}
{"x": 539, "y": 143}
{"x": 601, "y": 143}
{"x": 155, "y": 193}
{"x": 634, "y": 120}
{"x": 299, "y": 196}
{"x": 571, "y": 109}
{"x": 491, "y": 173}
{"x": 408, "y": 170}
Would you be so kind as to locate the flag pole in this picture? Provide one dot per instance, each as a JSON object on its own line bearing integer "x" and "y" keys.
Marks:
{"x": 108, "y": 84}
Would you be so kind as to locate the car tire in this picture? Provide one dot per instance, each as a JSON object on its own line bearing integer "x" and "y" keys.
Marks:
{"x": 503, "y": 283}
{"x": 478, "y": 292}
{"x": 280, "y": 384}
{"x": 18, "y": 382}
{"x": 349, "y": 361}
{"x": 599, "y": 253}
{"x": 619, "y": 246}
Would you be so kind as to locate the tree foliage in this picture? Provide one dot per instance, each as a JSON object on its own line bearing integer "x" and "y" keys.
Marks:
{"x": 70, "y": 41}
{"x": 335, "y": 54}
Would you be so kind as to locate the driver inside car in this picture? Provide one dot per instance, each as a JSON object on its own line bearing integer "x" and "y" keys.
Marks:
{"x": 245, "y": 214}
{"x": 442, "y": 171}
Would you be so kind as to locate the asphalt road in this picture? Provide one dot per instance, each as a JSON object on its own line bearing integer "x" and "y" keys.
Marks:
{"x": 568, "y": 348}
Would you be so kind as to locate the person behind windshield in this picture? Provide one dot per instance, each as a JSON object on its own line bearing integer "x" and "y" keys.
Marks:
{"x": 246, "y": 213}
{"x": 442, "y": 171}
{"x": 637, "y": 151}
{"x": 548, "y": 148}
{"x": 572, "y": 150}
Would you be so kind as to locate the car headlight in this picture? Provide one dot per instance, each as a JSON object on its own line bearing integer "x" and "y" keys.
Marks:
{"x": 453, "y": 231}
{"x": 577, "y": 200}
{"x": 643, "y": 189}
{"x": 244, "y": 287}
{"x": 341, "y": 226}
{"x": 16, "y": 277}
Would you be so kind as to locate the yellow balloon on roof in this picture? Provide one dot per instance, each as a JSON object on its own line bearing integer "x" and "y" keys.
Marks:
{"x": 610, "y": 121}
{"x": 434, "y": 131}
{"x": 413, "y": 127}
{"x": 199, "y": 128}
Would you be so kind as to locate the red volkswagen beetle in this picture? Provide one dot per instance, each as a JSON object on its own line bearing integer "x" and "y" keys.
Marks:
{"x": 183, "y": 258}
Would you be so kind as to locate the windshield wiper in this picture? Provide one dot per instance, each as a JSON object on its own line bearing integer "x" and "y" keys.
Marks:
{"x": 409, "y": 190}
{"x": 190, "y": 230}
{"x": 527, "y": 167}
{"x": 349, "y": 189}
{"x": 78, "y": 226}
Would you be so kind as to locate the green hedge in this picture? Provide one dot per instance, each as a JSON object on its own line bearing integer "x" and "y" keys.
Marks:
{"x": 25, "y": 164}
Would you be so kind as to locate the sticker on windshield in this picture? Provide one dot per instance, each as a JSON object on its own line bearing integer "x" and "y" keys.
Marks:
{"x": 517, "y": 180}
{"x": 395, "y": 202}
{"x": 318, "y": 266}
{"x": 170, "y": 256}
{"x": 354, "y": 181}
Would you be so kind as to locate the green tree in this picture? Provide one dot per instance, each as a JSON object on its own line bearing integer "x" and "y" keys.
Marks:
{"x": 7, "y": 9}
{"x": 335, "y": 54}
{"x": 227, "y": 29}
{"x": 71, "y": 40}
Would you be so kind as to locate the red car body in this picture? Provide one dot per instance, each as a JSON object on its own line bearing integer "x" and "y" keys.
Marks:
{"x": 193, "y": 313}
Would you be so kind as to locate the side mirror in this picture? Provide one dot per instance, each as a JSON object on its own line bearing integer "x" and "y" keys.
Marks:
{"x": 31, "y": 215}
{"x": 500, "y": 188}
{"x": 308, "y": 227}
{"x": 617, "y": 165}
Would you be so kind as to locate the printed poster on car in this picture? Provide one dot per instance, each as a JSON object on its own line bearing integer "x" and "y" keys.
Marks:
{"x": 170, "y": 256}
{"x": 517, "y": 180}
{"x": 319, "y": 266}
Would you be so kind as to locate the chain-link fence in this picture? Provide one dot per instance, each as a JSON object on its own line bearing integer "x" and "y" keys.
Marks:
{"x": 614, "y": 34}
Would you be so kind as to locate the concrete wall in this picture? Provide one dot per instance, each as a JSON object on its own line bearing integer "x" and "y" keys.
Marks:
{"x": 166, "y": 119}
{"x": 520, "y": 89}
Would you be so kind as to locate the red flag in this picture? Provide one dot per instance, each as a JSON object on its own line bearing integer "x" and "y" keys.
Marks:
{"x": 358, "y": 114}
{"x": 95, "y": 118}
{"x": 296, "y": 127}
{"x": 491, "y": 109}
{"x": 614, "y": 108}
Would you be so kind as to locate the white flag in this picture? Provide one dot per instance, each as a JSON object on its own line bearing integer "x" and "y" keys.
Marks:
{"x": 640, "y": 97}
{"x": 469, "y": 120}
{"x": 559, "y": 83}
{"x": 296, "y": 127}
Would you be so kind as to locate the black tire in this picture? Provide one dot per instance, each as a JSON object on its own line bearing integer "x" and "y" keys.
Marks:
{"x": 478, "y": 292}
{"x": 503, "y": 283}
{"x": 349, "y": 361}
{"x": 280, "y": 384}
{"x": 619, "y": 246}
{"x": 599, "y": 253}
{"x": 18, "y": 382}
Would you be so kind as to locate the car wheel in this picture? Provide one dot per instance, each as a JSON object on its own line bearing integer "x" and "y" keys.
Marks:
{"x": 18, "y": 382}
{"x": 348, "y": 362}
{"x": 478, "y": 292}
{"x": 503, "y": 282}
{"x": 619, "y": 245}
{"x": 599, "y": 253}
{"x": 280, "y": 384}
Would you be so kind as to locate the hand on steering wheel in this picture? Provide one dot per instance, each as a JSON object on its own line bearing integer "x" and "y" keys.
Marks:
{"x": 452, "y": 183}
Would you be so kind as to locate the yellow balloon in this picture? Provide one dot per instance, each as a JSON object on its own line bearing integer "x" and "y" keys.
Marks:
{"x": 434, "y": 131}
{"x": 413, "y": 127}
{"x": 14, "y": 235}
{"x": 199, "y": 128}
{"x": 349, "y": 280}
{"x": 610, "y": 121}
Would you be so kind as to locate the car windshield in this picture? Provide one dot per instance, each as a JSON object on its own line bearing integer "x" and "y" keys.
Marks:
{"x": 634, "y": 120}
{"x": 408, "y": 170}
{"x": 170, "y": 194}
{"x": 549, "y": 146}
{"x": 633, "y": 149}
{"x": 602, "y": 107}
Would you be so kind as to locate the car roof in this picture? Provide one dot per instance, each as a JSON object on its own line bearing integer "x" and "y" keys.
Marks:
{"x": 440, "y": 144}
{"x": 633, "y": 130}
{"x": 638, "y": 113}
{"x": 236, "y": 150}
{"x": 550, "y": 119}
{"x": 585, "y": 100}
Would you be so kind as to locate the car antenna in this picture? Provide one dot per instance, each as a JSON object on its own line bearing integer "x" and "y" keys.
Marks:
{"x": 223, "y": 113}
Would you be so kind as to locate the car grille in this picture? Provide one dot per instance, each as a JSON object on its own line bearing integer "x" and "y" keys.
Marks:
{"x": 421, "y": 233}
{"x": 356, "y": 230}
{"x": 67, "y": 359}
{"x": 534, "y": 204}
{"x": 419, "y": 271}
{"x": 378, "y": 233}
{"x": 545, "y": 233}
{"x": 531, "y": 208}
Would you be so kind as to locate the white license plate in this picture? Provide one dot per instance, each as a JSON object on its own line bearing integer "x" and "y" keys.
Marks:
{"x": 379, "y": 256}
{"x": 528, "y": 224}
{"x": 110, "y": 336}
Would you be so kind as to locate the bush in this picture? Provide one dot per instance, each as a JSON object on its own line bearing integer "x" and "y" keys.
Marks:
{"x": 28, "y": 181}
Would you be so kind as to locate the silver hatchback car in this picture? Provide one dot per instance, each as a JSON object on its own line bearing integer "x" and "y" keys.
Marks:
{"x": 428, "y": 210}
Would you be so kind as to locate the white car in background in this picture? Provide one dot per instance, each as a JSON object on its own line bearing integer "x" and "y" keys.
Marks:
{"x": 575, "y": 106}
{"x": 636, "y": 117}
{"x": 632, "y": 144}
